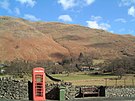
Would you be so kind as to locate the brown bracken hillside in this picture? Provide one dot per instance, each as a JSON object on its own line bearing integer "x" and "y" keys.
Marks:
{"x": 54, "y": 41}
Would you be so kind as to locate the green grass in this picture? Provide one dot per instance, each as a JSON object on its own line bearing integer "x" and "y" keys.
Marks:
{"x": 98, "y": 61}
{"x": 104, "y": 80}
{"x": 5, "y": 75}
{"x": 81, "y": 78}
{"x": 75, "y": 76}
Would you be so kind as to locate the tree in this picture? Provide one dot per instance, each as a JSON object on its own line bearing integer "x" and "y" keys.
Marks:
{"x": 84, "y": 60}
{"x": 20, "y": 67}
{"x": 81, "y": 57}
{"x": 120, "y": 72}
{"x": 120, "y": 66}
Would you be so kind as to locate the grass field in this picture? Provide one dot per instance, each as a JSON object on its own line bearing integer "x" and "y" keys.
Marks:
{"x": 104, "y": 80}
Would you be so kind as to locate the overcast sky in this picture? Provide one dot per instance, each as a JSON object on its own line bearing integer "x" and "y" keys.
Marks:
{"x": 117, "y": 16}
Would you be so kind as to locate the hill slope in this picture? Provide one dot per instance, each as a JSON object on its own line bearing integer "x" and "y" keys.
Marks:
{"x": 20, "y": 38}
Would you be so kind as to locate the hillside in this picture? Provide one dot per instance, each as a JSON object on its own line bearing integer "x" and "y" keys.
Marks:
{"x": 20, "y": 38}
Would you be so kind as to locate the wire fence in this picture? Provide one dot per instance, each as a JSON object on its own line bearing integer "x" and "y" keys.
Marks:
{"x": 106, "y": 82}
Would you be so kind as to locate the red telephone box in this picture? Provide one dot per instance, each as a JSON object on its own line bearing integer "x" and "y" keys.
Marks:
{"x": 39, "y": 84}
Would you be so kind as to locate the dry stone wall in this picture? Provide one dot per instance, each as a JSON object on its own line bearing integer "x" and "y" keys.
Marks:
{"x": 112, "y": 92}
{"x": 13, "y": 89}
{"x": 22, "y": 90}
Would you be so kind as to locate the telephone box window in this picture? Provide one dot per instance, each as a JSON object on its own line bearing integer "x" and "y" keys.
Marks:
{"x": 39, "y": 78}
{"x": 39, "y": 86}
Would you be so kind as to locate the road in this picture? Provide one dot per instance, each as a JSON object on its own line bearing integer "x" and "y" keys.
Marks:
{"x": 90, "y": 99}
{"x": 101, "y": 99}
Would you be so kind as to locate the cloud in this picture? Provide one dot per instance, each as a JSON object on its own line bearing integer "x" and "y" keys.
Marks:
{"x": 112, "y": 31}
{"x": 126, "y": 2}
{"x": 131, "y": 11}
{"x": 120, "y": 20}
{"x": 65, "y": 18}
{"x": 93, "y": 24}
{"x": 89, "y": 2}
{"x": 104, "y": 26}
{"x": 131, "y": 31}
{"x": 96, "y": 18}
{"x": 30, "y": 3}
{"x": 68, "y": 4}
{"x": 5, "y": 5}
{"x": 17, "y": 11}
{"x": 96, "y": 25}
{"x": 31, "y": 17}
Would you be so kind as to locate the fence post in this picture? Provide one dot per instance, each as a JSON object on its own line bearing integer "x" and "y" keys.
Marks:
{"x": 105, "y": 81}
{"x": 133, "y": 81}
{"x": 116, "y": 82}
{"x": 124, "y": 82}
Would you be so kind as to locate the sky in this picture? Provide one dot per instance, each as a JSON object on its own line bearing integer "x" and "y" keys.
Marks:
{"x": 116, "y": 16}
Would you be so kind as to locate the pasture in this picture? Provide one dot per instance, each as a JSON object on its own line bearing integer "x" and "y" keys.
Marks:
{"x": 98, "y": 80}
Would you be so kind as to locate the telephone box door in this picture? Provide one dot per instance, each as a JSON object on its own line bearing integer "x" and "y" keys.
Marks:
{"x": 39, "y": 84}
